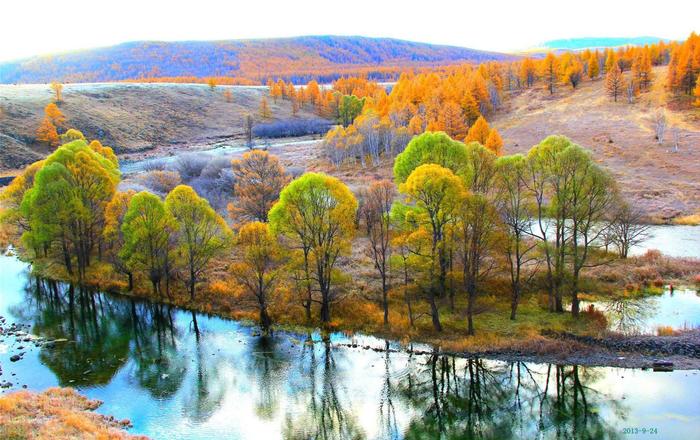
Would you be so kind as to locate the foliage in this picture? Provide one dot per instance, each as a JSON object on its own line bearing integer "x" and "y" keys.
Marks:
{"x": 259, "y": 179}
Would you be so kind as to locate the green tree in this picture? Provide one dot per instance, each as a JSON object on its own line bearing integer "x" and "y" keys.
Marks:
{"x": 349, "y": 107}
{"x": 434, "y": 194}
{"x": 147, "y": 230}
{"x": 430, "y": 147}
{"x": 67, "y": 202}
{"x": 202, "y": 234}
{"x": 318, "y": 213}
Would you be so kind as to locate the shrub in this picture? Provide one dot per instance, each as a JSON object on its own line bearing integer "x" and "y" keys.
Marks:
{"x": 666, "y": 330}
{"x": 292, "y": 127}
{"x": 190, "y": 165}
{"x": 161, "y": 181}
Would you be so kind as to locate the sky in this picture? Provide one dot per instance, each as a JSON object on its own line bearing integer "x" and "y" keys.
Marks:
{"x": 32, "y": 27}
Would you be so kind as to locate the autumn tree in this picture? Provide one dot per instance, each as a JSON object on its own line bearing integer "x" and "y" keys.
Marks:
{"x": 72, "y": 135}
{"x": 494, "y": 142}
{"x": 375, "y": 212}
{"x": 528, "y": 72}
{"x": 614, "y": 82}
{"x": 47, "y": 133}
{"x": 429, "y": 147}
{"x": 258, "y": 266}
{"x": 259, "y": 179}
{"x": 434, "y": 194}
{"x": 451, "y": 120}
{"x": 594, "y": 65}
{"x": 54, "y": 114}
{"x": 202, "y": 235}
{"x": 248, "y": 123}
{"x": 57, "y": 88}
{"x": 113, "y": 236}
{"x": 550, "y": 72}
{"x": 264, "y": 109}
{"x": 317, "y": 212}
{"x": 148, "y": 228}
{"x": 574, "y": 73}
{"x": 516, "y": 208}
{"x": 479, "y": 132}
{"x": 66, "y": 205}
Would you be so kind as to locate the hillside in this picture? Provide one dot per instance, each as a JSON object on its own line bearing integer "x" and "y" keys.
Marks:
{"x": 662, "y": 182}
{"x": 129, "y": 117}
{"x": 298, "y": 59}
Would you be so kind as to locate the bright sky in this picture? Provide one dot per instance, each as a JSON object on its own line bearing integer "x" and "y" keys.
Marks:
{"x": 30, "y": 27}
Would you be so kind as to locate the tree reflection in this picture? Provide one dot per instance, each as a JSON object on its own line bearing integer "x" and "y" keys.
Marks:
{"x": 474, "y": 399}
{"x": 324, "y": 415}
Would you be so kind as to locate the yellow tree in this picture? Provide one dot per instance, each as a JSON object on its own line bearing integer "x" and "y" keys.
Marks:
{"x": 47, "y": 132}
{"x": 494, "y": 142}
{"x": 53, "y": 113}
{"x": 433, "y": 194}
{"x": 258, "y": 267}
{"x": 264, "y": 109}
{"x": 451, "y": 121}
{"x": 317, "y": 213}
{"x": 202, "y": 234}
{"x": 614, "y": 82}
{"x": 57, "y": 88}
{"x": 479, "y": 132}
{"x": 593, "y": 65}
{"x": 550, "y": 72}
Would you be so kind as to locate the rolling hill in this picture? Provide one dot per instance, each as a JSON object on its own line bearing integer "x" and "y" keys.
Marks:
{"x": 298, "y": 59}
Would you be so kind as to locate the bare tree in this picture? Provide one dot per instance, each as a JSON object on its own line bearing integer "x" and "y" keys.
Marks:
{"x": 631, "y": 89}
{"x": 375, "y": 209}
{"x": 249, "y": 131}
{"x": 627, "y": 229}
{"x": 676, "y": 139}
{"x": 660, "y": 120}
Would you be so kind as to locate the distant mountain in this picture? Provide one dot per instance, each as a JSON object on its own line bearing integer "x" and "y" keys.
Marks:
{"x": 298, "y": 59}
{"x": 593, "y": 42}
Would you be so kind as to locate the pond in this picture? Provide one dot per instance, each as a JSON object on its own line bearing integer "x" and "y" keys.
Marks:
{"x": 181, "y": 375}
{"x": 678, "y": 309}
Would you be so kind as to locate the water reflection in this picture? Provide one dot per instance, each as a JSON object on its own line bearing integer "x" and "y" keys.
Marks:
{"x": 177, "y": 374}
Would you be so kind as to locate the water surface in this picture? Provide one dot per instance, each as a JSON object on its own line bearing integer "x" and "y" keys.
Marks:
{"x": 179, "y": 375}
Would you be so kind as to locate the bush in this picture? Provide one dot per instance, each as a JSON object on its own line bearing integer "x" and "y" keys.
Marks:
{"x": 190, "y": 165}
{"x": 161, "y": 182}
{"x": 292, "y": 127}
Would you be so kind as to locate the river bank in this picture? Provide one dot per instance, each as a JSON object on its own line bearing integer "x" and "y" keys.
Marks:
{"x": 536, "y": 336}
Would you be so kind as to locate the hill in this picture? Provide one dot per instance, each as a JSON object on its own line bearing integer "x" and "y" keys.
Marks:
{"x": 664, "y": 183}
{"x": 298, "y": 59}
{"x": 598, "y": 42}
{"x": 130, "y": 117}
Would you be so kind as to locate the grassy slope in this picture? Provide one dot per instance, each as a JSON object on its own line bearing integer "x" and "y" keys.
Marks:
{"x": 663, "y": 183}
{"x": 128, "y": 117}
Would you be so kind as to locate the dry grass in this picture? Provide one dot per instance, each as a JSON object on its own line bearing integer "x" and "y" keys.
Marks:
{"x": 56, "y": 414}
{"x": 665, "y": 184}
{"x": 665, "y": 330}
{"x": 689, "y": 220}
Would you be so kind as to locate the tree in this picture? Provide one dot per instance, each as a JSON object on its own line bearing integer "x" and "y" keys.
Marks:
{"x": 429, "y": 147}
{"x": 349, "y": 108}
{"x": 550, "y": 72}
{"x": 494, "y": 142}
{"x": 516, "y": 208}
{"x": 451, "y": 120}
{"x": 374, "y": 210}
{"x": 248, "y": 127}
{"x": 66, "y": 205}
{"x": 574, "y": 73}
{"x": 228, "y": 95}
{"x": 72, "y": 135}
{"x": 264, "y": 109}
{"x": 259, "y": 179}
{"x": 258, "y": 267}
{"x": 57, "y": 88}
{"x": 628, "y": 229}
{"x": 211, "y": 82}
{"x": 147, "y": 229}
{"x": 614, "y": 82}
{"x": 317, "y": 212}
{"x": 594, "y": 65}
{"x": 201, "y": 233}
{"x": 528, "y": 72}
{"x": 434, "y": 194}
{"x": 53, "y": 113}
{"x": 47, "y": 133}
{"x": 479, "y": 132}
{"x": 696, "y": 92}
{"x": 115, "y": 211}
{"x": 660, "y": 125}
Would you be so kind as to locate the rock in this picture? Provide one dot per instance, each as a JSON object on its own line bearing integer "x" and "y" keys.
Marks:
{"x": 662, "y": 365}
{"x": 15, "y": 358}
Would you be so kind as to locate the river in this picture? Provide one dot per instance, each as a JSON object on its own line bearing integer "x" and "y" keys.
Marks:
{"x": 181, "y": 375}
